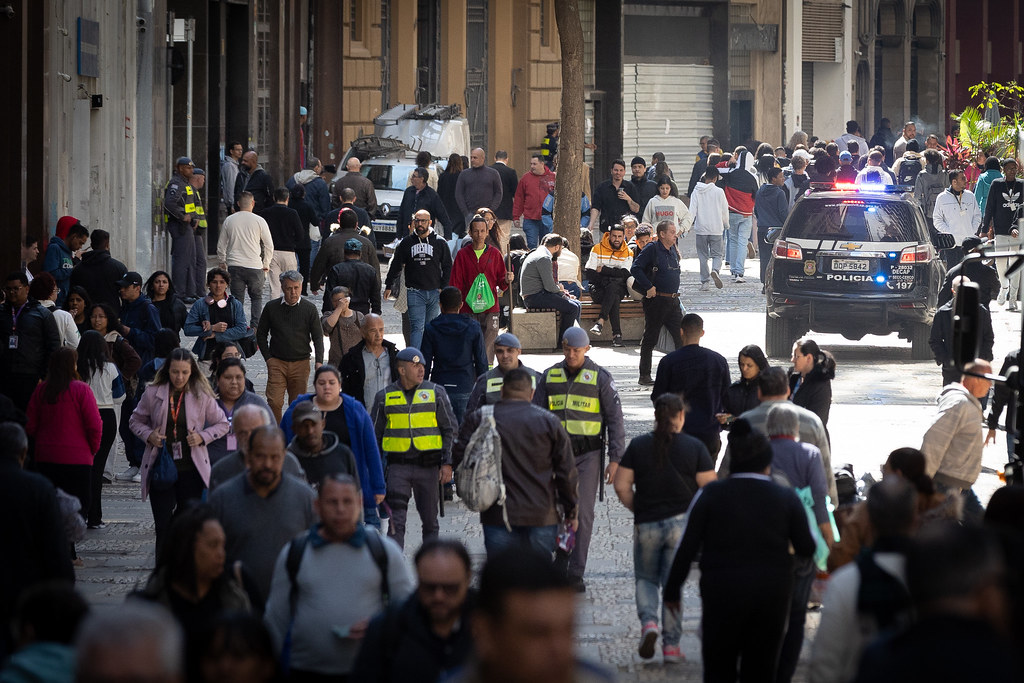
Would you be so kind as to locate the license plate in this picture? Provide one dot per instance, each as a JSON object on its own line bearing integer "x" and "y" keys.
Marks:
{"x": 381, "y": 226}
{"x": 840, "y": 265}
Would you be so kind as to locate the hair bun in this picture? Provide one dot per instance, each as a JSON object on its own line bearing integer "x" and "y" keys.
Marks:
{"x": 740, "y": 429}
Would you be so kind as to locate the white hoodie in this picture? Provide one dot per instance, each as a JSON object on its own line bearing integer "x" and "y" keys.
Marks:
{"x": 710, "y": 209}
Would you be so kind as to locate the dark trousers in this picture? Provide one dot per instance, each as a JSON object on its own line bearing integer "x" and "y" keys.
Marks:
{"x": 183, "y": 256}
{"x": 198, "y": 286}
{"x": 952, "y": 256}
{"x": 764, "y": 251}
{"x": 713, "y": 443}
{"x": 295, "y": 676}
{"x": 99, "y": 463}
{"x": 302, "y": 255}
{"x": 72, "y": 479}
{"x": 589, "y": 467}
{"x": 404, "y": 482}
{"x": 609, "y": 294}
{"x": 569, "y": 308}
{"x": 18, "y": 388}
{"x": 659, "y": 311}
{"x": 744, "y": 623}
{"x": 803, "y": 579}
{"x": 248, "y": 280}
{"x": 134, "y": 447}
{"x": 168, "y": 502}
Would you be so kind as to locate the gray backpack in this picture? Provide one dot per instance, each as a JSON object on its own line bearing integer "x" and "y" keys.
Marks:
{"x": 479, "y": 480}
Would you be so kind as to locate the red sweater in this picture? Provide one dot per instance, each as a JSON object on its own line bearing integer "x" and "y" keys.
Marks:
{"x": 467, "y": 267}
{"x": 69, "y": 432}
{"x": 531, "y": 192}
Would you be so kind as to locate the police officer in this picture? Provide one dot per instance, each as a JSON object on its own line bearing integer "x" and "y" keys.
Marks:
{"x": 655, "y": 272}
{"x": 487, "y": 390}
{"x": 180, "y": 217}
{"x": 416, "y": 427}
{"x": 583, "y": 396}
{"x": 198, "y": 287}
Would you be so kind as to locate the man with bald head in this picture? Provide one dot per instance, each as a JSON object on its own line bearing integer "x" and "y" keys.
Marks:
{"x": 244, "y": 420}
{"x": 366, "y": 196}
{"x": 254, "y": 180}
{"x": 478, "y": 186}
{"x": 425, "y": 259}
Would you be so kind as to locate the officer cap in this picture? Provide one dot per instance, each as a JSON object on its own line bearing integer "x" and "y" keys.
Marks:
{"x": 411, "y": 354}
{"x": 198, "y": 171}
{"x": 508, "y": 339}
{"x": 183, "y": 161}
{"x": 576, "y": 337}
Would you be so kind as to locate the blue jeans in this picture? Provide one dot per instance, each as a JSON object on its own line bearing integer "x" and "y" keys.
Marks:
{"x": 654, "y": 549}
{"x": 314, "y": 247}
{"x": 534, "y": 231}
{"x": 459, "y": 402}
{"x": 370, "y": 516}
{"x": 739, "y": 233}
{"x": 569, "y": 308}
{"x": 424, "y": 306}
{"x": 540, "y": 538}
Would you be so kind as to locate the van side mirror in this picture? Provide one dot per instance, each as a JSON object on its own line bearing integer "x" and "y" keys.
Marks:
{"x": 772, "y": 235}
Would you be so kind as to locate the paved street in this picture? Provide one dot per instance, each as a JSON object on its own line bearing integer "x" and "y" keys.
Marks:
{"x": 882, "y": 400}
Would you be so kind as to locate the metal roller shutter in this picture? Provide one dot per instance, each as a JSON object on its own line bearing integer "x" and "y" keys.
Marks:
{"x": 666, "y": 108}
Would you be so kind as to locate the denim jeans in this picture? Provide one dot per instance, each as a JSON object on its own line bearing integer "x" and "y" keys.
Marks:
{"x": 540, "y": 538}
{"x": 424, "y": 306}
{"x": 569, "y": 308}
{"x": 459, "y": 402}
{"x": 533, "y": 230}
{"x": 314, "y": 247}
{"x": 654, "y": 548}
{"x": 739, "y": 233}
{"x": 251, "y": 280}
{"x": 709, "y": 247}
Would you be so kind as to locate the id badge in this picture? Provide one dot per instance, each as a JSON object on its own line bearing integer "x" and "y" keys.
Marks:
{"x": 176, "y": 450}
{"x": 232, "y": 443}
{"x": 12, "y": 341}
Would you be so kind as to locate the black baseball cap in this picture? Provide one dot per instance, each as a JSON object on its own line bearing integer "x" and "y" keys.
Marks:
{"x": 130, "y": 278}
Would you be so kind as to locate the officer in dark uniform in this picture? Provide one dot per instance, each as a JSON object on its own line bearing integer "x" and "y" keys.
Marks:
{"x": 549, "y": 145}
{"x": 199, "y": 272}
{"x": 416, "y": 427}
{"x": 655, "y": 273}
{"x": 487, "y": 390}
{"x": 583, "y": 396}
{"x": 180, "y": 217}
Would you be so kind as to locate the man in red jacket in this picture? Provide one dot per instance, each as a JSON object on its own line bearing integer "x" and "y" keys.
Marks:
{"x": 528, "y": 204}
{"x": 476, "y": 259}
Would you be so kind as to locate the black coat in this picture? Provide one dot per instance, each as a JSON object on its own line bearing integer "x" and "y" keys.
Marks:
{"x": 978, "y": 272}
{"x": 509, "y": 183}
{"x": 399, "y": 646}
{"x": 814, "y": 394}
{"x": 37, "y": 339}
{"x": 172, "y": 312}
{"x": 941, "y": 339}
{"x": 741, "y": 396}
{"x": 259, "y": 184}
{"x": 98, "y": 274}
{"x": 353, "y": 372}
{"x": 426, "y": 199}
{"x": 363, "y": 282}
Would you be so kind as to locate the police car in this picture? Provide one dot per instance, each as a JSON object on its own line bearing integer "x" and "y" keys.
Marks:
{"x": 854, "y": 260}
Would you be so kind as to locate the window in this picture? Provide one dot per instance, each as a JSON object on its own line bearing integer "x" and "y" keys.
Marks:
{"x": 545, "y": 27}
{"x": 355, "y": 21}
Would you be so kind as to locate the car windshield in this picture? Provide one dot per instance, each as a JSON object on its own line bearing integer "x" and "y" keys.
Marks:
{"x": 864, "y": 220}
{"x": 388, "y": 177}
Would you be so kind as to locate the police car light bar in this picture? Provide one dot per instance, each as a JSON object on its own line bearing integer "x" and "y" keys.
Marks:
{"x": 863, "y": 187}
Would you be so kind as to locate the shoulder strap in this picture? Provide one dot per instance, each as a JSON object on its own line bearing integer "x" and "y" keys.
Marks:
{"x": 380, "y": 557}
{"x": 291, "y": 564}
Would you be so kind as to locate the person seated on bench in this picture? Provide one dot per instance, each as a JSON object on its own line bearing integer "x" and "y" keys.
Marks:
{"x": 539, "y": 287}
{"x": 607, "y": 270}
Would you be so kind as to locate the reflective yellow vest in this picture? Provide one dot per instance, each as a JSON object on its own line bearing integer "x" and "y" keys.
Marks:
{"x": 495, "y": 380}
{"x": 200, "y": 213}
{"x": 190, "y": 204}
{"x": 411, "y": 426}
{"x": 576, "y": 402}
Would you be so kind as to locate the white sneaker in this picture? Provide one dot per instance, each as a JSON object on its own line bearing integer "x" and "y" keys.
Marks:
{"x": 739, "y": 279}
{"x": 704, "y": 287}
{"x": 129, "y": 474}
{"x": 1001, "y": 299}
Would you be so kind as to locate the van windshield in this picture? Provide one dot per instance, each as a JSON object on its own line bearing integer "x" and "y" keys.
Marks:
{"x": 388, "y": 177}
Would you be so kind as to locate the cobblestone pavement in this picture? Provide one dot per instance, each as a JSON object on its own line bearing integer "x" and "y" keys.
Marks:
{"x": 882, "y": 400}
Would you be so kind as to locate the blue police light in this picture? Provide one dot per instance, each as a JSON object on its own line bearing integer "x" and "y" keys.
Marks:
{"x": 892, "y": 254}
{"x": 880, "y": 279}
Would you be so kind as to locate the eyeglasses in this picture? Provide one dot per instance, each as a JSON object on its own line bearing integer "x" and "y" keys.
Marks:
{"x": 449, "y": 589}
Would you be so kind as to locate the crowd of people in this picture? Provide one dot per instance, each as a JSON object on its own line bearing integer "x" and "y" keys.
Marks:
{"x": 280, "y": 522}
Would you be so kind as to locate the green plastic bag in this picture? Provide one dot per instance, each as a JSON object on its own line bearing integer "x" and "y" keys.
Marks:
{"x": 820, "y": 546}
{"x": 481, "y": 295}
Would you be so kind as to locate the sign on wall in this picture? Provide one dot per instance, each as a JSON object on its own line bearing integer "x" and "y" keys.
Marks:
{"x": 88, "y": 48}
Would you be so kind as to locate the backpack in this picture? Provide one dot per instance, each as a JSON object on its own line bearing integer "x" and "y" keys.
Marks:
{"x": 909, "y": 168}
{"x": 478, "y": 480}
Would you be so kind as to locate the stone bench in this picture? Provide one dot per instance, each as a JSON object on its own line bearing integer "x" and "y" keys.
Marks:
{"x": 537, "y": 328}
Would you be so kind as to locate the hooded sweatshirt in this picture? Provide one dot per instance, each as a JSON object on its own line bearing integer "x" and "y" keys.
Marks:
{"x": 1004, "y": 205}
{"x": 453, "y": 352}
{"x": 668, "y": 209}
{"x": 984, "y": 183}
{"x": 614, "y": 263}
{"x": 771, "y": 207}
{"x": 710, "y": 209}
{"x": 953, "y": 443}
{"x": 317, "y": 194}
{"x": 426, "y": 262}
{"x": 740, "y": 185}
{"x": 334, "y": 458}
{"x": 59, "y": 263}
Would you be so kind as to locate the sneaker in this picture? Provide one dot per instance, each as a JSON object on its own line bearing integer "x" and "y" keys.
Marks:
{"x": 617, "y": 340}
{"x": 107, "y": 479}
{"x": 98, "y": 525}
{"x": 646, "y": 381}
{"x": 717, "y": 278}
{"x": 577, "y": 583}
{"x": 597, "y": 329}
{"x": 137, "y": 479}
{"x": 648, "y": 638}
{"x": 672, "y": 654}
{"x": 739, "y": 279}
{"x": 751, "y": 252}
{"x": 1012, "y": 306}
{"x": 1001, "y": 299}
{"x": 129, "y": 474}
{"x": 704, "y": 287}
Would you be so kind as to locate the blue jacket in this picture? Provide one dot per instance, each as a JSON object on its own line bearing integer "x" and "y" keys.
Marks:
{"x": 364, "y": 444}
{"x": 771, "y": 206}
{"x": 200, "y": 311}
{"x": 656, "y": 266}
{"x": 980, "y": 190}
{"x": 317, "y": 194}
{"x": 453, "y": 352}
{"x": 142, "y": 318}
{"x": 59, "y": 263}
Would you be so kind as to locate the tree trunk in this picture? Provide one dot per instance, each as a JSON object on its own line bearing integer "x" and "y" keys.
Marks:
{"x": 569, "y": 165}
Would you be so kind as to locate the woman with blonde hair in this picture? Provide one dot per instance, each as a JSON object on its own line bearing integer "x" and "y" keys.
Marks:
{"x": 178, "y": 414}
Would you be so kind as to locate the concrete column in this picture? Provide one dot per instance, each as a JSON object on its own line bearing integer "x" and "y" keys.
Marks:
{"x": 453, "y": 52}
{"x": 792, "y": 67}
{"x": 500, "y": 64}
{"x": 403, "y": 51}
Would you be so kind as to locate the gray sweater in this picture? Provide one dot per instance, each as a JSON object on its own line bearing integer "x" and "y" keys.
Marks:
{"x": 953, "y": 444}
{"x": 291, "y": 328}
{"x": 339, "y": 585}
{"x": 536, "y": 275}
{"x": 257, "y": 528}
{"x": 477, "y": 188}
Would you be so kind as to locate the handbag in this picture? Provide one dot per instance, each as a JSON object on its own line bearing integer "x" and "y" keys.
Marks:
{"x": 248, "y": 343}
{"x": 480, "y": 297}
{"x": 164, "y": 473}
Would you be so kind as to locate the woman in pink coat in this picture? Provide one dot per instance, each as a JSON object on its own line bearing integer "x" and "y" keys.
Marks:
{"x": 65, "y": 422}
{"x": 178, "y": 409}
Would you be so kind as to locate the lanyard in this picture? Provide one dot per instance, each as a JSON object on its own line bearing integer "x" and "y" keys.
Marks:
{"x": 175, "y": 411}
{"x": 16, "y": 315}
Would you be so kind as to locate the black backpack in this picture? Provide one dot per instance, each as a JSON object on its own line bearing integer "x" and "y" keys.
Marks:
{"x": 909, "y": 168}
